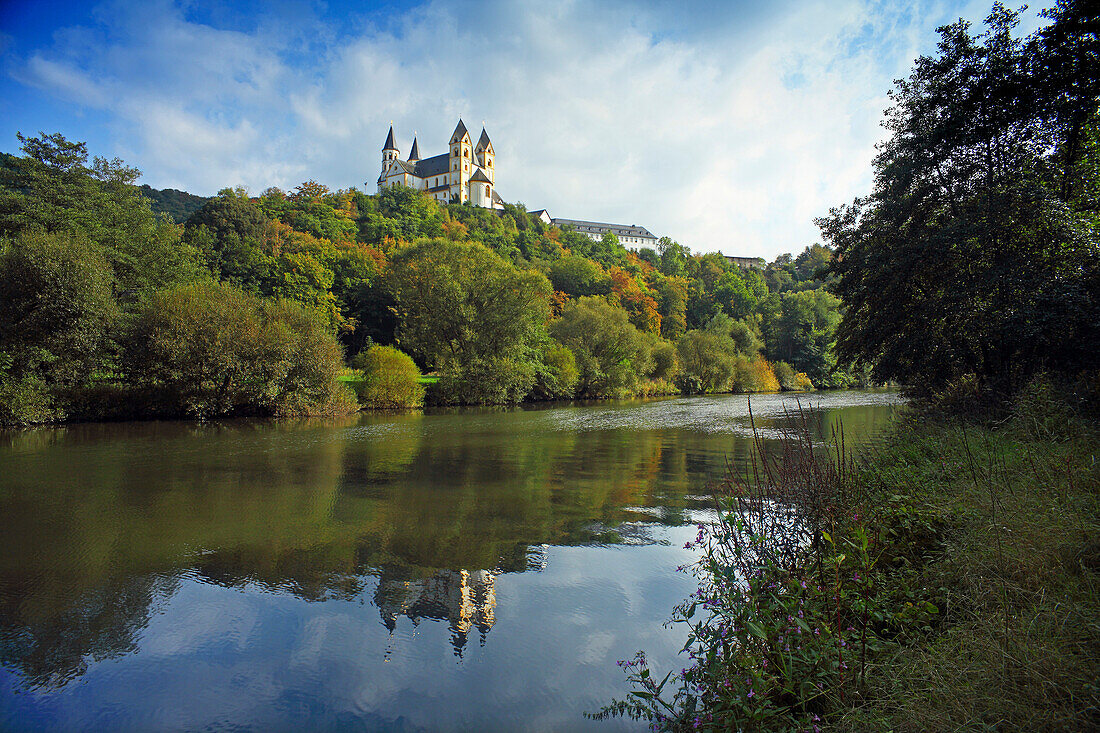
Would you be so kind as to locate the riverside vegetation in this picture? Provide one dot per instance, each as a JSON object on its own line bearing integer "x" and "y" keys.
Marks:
{"x": 950, "y": 578}
{"x": 255, "y": 305}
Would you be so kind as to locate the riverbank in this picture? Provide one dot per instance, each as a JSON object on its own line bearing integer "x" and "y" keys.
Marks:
{"x": 950, "y": 580}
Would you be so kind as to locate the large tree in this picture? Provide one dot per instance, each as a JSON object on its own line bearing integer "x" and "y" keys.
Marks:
{"x": 977, "y": 253}
{"x": 465, "y": 311}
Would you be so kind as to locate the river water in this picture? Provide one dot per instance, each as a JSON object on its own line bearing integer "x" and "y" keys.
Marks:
{"x": 474, "y": 569}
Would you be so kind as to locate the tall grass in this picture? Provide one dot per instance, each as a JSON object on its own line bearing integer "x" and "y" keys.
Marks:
{"x": 946, "y": 581}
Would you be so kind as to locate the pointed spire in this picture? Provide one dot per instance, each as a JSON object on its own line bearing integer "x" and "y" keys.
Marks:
{"x": 389, "y": 141}
{"x": 483, "y": 142}
{"x": 459, "y": 132}
{"x": 415, "y": 154}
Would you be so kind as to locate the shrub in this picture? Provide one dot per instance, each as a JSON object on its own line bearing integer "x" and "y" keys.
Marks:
{"x": 557, "y": 377}
{"x": 610, "y": 352}
{"x": 784, "y": 372}
{"x": 391, "y": 379}
{"x": 484, "y": 381}
{"x": 211, "y": 349}
{"x": 802, "y": 382}
{"x": 707, "y": 362}
{"x": 753, "y": 375}
{"x": 27, "y": 401}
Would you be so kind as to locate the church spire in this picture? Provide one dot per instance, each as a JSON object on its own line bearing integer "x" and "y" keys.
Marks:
{"x": 389, "y": 141}
{"x": 459, "y": 132}
{"x": 483, "y": 142}
{"x": 415, "y": 154}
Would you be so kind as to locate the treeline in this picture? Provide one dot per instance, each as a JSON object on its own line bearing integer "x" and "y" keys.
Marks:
{"x": 503, "y": 308}
{"x": 256, "y": 304}
{"x": 175, "y": 203}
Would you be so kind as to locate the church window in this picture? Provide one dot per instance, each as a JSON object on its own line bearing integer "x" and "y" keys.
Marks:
{"x": 487, "y": 190}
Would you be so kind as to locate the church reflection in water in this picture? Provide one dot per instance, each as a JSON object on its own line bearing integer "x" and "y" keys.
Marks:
{"x": 465, "y": 600}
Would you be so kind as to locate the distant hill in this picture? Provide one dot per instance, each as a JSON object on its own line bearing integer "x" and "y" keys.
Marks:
{"x": 178, "y": 204}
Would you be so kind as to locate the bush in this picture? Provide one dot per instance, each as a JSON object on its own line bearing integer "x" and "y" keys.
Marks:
{"x": 212, "y": 349}
{"x": 27, "y": 401}
{"x": 56, "y": 308}
{"x": 707, "y": 362}
{"x": 610, "y": 352}
{"x": 391, "y": 379}
{"x": 557, "y": 377}
{"x": 802, "y": 382}
{"x": 754, "y": 375}
{"x": 488, "y": 381}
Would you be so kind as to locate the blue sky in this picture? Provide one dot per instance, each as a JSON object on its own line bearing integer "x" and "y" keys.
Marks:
{"x": 727, "y": 126}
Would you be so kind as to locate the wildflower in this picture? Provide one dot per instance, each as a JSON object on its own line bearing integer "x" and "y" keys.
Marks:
{"x": 751, "y": 693}
{"x": 687, "y": 545}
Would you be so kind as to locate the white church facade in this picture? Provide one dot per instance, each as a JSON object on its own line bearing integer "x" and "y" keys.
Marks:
{"x": 466, "y": 172}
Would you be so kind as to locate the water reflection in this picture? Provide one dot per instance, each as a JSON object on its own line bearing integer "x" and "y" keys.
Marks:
{"x": 464, "y": 599}
{"x": 420, "y": 517}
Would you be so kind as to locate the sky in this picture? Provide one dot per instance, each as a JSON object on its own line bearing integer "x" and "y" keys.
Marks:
{"x": 727, "y": 126}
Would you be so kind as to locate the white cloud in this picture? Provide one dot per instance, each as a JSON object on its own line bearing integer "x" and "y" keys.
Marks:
{"x": 725, "y": 131}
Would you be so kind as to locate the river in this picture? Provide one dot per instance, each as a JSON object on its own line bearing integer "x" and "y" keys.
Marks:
{"x": 474, "y": 569}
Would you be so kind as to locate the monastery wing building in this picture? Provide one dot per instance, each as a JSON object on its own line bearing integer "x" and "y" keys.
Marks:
{"x": 465, "y": 173}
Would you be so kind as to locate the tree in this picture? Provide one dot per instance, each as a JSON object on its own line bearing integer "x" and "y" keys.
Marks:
{"x": 610, "y": 353}
{"x": 211, "y": 349}
{"x": 231, "y": 233}
{"x": 971, "y": 256}
{"x": 579, "y": 276}
{"x": 802, "y": 331}
{"x": 56, "y": 314}
{"x": 51, "y": 189}
{"x": 466, "y": 312}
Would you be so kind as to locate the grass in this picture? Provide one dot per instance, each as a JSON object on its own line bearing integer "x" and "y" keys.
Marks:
{"x": 1015, "y": 569}
{"x": 949, "y": 580}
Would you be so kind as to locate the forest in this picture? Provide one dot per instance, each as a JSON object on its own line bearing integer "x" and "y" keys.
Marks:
{"x": 291, "y": 301}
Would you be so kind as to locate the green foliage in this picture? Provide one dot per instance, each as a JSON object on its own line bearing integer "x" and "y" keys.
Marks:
{"x": 56, "y": 317}
{"x": 467, "y": 313}
{"x": 976, "y": 253}
{"x": 390, "y": 379}
{"x": 800, "y": 328}
{"x": 789, "y": 379}
{"x": 558, "y": 374}
{"x": 398, "y": 214}
{"x": 485, "y": 380}
{"x": 179, "y": 205}
{"x": 52, "y": 189}
{"x": 609, "y": 350}
{"x": 206, "y": 350}
{"x": 578, "y": 276}
{"x": 706, "y": 362}
{"x": 230, "y": 231}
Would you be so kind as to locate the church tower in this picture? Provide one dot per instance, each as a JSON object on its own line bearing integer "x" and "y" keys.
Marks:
{"x": 485, "y": 154}
{"x": 461, "y": 162}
